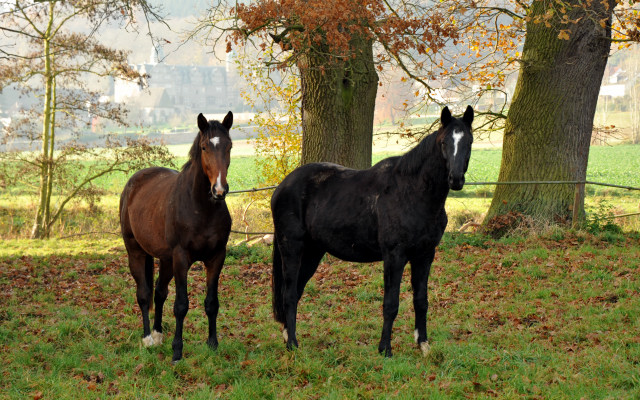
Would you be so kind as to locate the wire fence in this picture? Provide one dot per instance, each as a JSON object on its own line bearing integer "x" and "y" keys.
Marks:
{"x": 577, "y": 206}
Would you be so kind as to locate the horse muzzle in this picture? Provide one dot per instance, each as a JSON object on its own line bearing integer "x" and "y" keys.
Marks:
{"x": 218, "y": 191}
{"x": 218, "y": 195}
{"x": 456, "y": 182}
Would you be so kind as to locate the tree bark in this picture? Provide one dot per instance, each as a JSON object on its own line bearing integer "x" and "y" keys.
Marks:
{"x": 338, "y": 103}
{"x": 550, "y": 121}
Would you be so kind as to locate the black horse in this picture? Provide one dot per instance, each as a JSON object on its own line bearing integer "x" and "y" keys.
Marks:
{"x": 392, "y": 212}
{"x": 179, "y": 218}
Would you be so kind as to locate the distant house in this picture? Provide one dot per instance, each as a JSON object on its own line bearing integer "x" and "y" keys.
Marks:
{"x": 154, "y": 104}
{"x": 188, "y": 88}
{"x": 614, "y": 83}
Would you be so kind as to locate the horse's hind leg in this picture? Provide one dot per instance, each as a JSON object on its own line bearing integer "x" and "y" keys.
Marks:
{"x": 162, "y": 290}
{"x": 291, "y": 254}
{"x": 420, "y": 267}
{"x": 141, "y": 266}
{"x": 211, "y": 303}
{"x": 311, "y": 257}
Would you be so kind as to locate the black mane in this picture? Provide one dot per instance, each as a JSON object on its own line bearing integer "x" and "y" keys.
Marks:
{"x": 194, "y": 152}
{"x": 413, "y": 161}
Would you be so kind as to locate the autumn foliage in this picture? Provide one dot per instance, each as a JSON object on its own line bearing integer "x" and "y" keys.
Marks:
{"x": 303, "y": 26}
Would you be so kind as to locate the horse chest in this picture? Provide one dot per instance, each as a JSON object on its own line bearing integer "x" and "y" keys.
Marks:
{"x": 199, "y": 230}
{"x": 410, "y": 226}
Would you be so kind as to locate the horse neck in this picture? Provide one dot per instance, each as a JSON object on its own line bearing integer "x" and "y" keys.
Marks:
{"x": 194, "y": 177}
{"x": 426, "y": 169}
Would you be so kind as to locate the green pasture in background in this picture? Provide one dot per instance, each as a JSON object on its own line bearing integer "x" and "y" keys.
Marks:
{"x": 616, "y": 164}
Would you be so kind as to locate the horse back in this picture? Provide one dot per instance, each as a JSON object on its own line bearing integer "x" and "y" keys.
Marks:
{"x": 143, "y": 205}
{"x": 332, "y": 206}
{"x": 356, "y": 214}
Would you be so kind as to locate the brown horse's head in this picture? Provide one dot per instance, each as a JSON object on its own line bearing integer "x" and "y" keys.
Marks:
{"x": 214, "y": 148}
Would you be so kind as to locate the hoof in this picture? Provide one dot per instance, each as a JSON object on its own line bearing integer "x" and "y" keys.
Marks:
{"x": 292, "y": 345}
{"x": 148, "y": 341}
{"x": 157, "y": 337}
{"x": 386, "y": 351}
{"x": 425, "y": 348}
{"x": 285, "y": 335}
{"x": 212, "y": 343}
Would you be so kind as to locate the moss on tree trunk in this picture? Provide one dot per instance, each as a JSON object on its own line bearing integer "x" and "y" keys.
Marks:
{"x": 338, "y": 101}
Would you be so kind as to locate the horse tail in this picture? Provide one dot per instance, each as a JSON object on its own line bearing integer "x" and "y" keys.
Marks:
{"x": 277, "y": 279}
{"x": 148, "y": 277}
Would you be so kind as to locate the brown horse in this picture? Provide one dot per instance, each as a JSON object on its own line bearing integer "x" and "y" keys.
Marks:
{"x": 179, "y": 218}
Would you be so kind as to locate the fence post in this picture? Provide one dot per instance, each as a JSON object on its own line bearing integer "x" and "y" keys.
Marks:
{"x": 578, "y": 205}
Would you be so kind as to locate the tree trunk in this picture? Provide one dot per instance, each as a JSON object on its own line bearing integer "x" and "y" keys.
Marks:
{"x": 549, "y": 125}
{"x": 50, "y": 161}
{"x": 338, "y": 103}
{"x": 38, "y": 231}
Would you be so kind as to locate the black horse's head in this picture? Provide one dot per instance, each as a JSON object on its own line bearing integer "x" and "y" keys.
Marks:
{"x": 215, "y": 152}
{"x": 455, "y": 140}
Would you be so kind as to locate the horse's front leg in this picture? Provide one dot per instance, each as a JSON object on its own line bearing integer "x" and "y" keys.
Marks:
{"x": 420, "y": 268}
{"x": 181, "y": 264}
{"x": 394, "y": 263}
{"x": 211, "y": 304}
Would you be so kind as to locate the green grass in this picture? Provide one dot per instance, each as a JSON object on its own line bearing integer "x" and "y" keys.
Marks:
{"x": 544, "y": 317}
{"x": 17, "y": 205}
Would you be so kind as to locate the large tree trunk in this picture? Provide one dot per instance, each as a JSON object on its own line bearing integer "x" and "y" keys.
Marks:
{"x": 550, "y": 121}
{"x": 338, "y": 102}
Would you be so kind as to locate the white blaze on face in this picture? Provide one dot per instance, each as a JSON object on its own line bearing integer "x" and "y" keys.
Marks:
{"x": 457, "y": 135}
{"x": 215, "y": 141}
{"x": 218, "y": 186}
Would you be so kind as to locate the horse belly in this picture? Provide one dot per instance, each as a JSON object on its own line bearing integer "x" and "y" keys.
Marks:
{"x": 148, "y": 232}
{"x": 350, "y": 243}
{"x": 144, "y": 212}
{"x": 356, "y": 253}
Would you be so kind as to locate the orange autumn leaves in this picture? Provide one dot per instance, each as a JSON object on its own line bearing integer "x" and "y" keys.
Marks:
{"x": 328, "y": 26}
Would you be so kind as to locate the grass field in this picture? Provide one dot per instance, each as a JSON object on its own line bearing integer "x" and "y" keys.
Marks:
{"x": 553, "y": 314}
{"x": 546, "y": 317}
{"x": 17, "y": 206}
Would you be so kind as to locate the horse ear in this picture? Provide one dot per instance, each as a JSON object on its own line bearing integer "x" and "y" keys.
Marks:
{"x": 228, "y": 120}
{"x": 468, "y": 116}
{"x": 203, "y": 124}
{"x": 445, "y": 117}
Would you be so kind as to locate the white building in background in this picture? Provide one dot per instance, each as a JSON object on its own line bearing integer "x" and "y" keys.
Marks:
{"x": 615, "y": 85}
{"x": 179, "y": 88}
